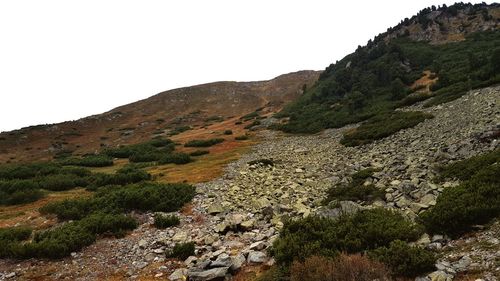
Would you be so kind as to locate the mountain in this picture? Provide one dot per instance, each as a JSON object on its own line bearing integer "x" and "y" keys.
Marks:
{"x": 439, "y": 54}
{"x": 159, "y": 115}
{"x": 394, "y": 175}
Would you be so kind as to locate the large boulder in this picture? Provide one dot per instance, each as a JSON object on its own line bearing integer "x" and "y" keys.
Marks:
{"x": 217, "y": 273}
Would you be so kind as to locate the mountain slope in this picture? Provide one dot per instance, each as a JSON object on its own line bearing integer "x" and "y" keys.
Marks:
{"x": 195, "y": 106}
{"x": 385, "y": 74}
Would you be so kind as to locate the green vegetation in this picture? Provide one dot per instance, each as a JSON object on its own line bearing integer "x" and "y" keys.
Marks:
{"x": 383, "y": 125}
{"x": 175, "y": 158}
{"x": 61, "y": 241}
{"x": 242, "y": 137}
{"x": 182, "y": 251}
{"x": 203, "y": 143}
{"x": 253, "y": 124}
{"x": 89, "y": 161}
{"x": 355, "y": 190}
{"x": 98, "y": 215}
{"x": 250, "y": 116}
{"x": 475, "y": 201}
{"x": 374, "y": 80}
{"x": 362, "y": 231}
{"x": 199, "y": 152}
{"x": 214, "y": 119}
{"x": 381, "y": 233}
{"x": 404, "y": 260}
{"x": 162, "y": 221}
{"x": 178, "y": 130}
{"x": 228, "y": 132}
{"x": 142, "y": 197}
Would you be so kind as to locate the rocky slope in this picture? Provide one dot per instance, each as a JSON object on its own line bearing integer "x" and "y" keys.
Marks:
{"x": 234, "y": 219}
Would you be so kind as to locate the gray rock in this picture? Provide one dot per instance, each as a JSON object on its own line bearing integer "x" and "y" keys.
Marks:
{"x": 256, "y": 257}
{"x": 210, "y": 274}
{"x": 237, "y": 262}
{"x": 215, "y": 209}
{"x": 223, "y": 260}
{"x": 179, "y": 274}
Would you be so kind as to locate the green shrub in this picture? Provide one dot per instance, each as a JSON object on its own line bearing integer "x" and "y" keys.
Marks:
{"x": 253, "y": 124}
{"x": 182, "y": 251}
{"x": 111, "y": 224}
{"x": 250, "y": 116}
{"x": 465, "y": 169}
{"x": 123, "y": 176}
{"x": 89, "y": 161}
{"x": 228, "y": 132}
{"x": 199, "y": 152}
{"x": 383, "y": 125}
{"x": 143, "y": 197}
{"x": 243, "y": 137}
{"x": 162, "y": 221}
{"x": 178, "y": 130}
{"x": 143, "y": 152}
{"x": 203, "y": 143}
{"x": 355, "y": 190}
{"x": 405, "y": 260}
{"x": 474, "y": 201}
{"x": 263, "y": 162}
{"x": 15, "y": 233}
{"x": 175, "y": 158}
{"x": 365, "y": 230}
{"x": 20, "y": 197}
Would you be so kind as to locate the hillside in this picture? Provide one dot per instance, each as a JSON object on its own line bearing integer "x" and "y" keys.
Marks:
{"x": 399, "y": 180}
{"x": 196, "y": 106}
{"x": 412, "y": 62}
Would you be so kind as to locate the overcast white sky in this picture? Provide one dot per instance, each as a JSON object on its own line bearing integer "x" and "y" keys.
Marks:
{"x": 63, "y": 60}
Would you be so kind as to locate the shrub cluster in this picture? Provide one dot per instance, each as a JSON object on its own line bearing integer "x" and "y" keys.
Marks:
{"x": 228, "y": 132}
{"x": 182, "y": 251}
{"x": 203, "y": 143}
{"x": 143, "y": 152}
{"x": 242, "y": 137}
{"x": 89, "y": 161}
{"x": 365, "y": 230}
{"x": 355, "y": 190}
{"x": 162, "y": 221}
{"x": 144, "y": 197}
{"x": 199, "y": 152}
{"x": 475, "y": 201}
{"x": 404, "y": 260}
{"x": 383, "y": 125}
{"x": 70, "y": 237}
{"x": 175, "y": 158}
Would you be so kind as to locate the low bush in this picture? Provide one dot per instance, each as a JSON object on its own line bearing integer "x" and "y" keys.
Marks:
{"x": 20, "y": 197}
{"x": 242, "y": 137}
{"x": 149, "y": 149}
{"x": 178, "y": 130}
{"x": 356, "y": 190}
{"x": 89, "y": 161}
{"x": 412, "y": 99}
{"x": 162, "y": 221}
{"x": 365, "y": 230}
{"x": 123, "y": 176}
{"x": 342, "y": 268}
{"x": 250, "y": 116}
{"x": 199, "y": 152}
{"x": 175, "y": 158}
{"x": 383, "y": 125}
{"x": 182, "y": 251}
{"x": 405, "y": 260}
{"x": 262, "y": 162}
{"x": 475, "y": 201}
{"x": 203, "y": 143}
{"x": 144, "y": 197}
{"x": 228, "y": 132}
{"x": 253, "y": 124}
{"x": 67, "y": 238}
{"x": 15, "y": 233}
{"x": 465, "y": 169}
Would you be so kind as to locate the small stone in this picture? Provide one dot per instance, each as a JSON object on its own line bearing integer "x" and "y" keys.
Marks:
{"x": 258, "y": 245}
{"x": 237, "y": 262}
{"x": 210, "y": 274}
{"x": 215, "y": 209}
{"x": 223, "y": 260}
{"x": 256, "y": 257}
{"x": 179, "y": 274}
{"x": 142, "y": 243}
{"x": 180, "y": 237}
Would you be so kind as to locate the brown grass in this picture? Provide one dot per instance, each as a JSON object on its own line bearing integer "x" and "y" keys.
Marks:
{"x": 343, "y": 268}
{"x": 424, "y": 81}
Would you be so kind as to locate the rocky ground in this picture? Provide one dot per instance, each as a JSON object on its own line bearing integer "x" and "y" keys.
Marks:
{"x": 235, "y": 218}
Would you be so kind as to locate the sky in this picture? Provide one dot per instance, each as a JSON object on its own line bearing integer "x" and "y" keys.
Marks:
{"x": 64, "y": 60}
